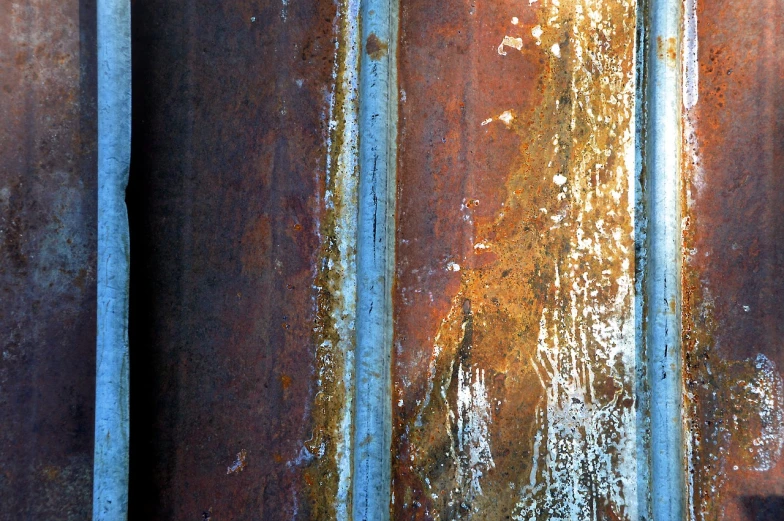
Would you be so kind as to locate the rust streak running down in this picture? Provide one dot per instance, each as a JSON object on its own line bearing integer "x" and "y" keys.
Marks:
{"x": 515, "y": 369}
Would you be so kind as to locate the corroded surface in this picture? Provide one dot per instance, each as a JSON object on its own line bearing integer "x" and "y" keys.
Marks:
{"x": 734, "y": 268}
{"x": 242, "y": 196}
{"x": 515, "y": 353}
{"x": 47, "y": 258}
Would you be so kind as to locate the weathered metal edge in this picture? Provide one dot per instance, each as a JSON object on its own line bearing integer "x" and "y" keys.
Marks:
{"x": 375, "y": 260}
{"x": 110, "y": 474}
{"x": 663, "y": 322}
{"x": 641, "y": 223}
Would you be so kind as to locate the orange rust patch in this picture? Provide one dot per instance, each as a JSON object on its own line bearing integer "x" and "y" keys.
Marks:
{"x": 667, "y": 49}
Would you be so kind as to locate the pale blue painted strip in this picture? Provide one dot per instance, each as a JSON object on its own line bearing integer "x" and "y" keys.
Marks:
{"x": 110, "y": 477}
{"x": 664, "y": 261}
{"x": 375, "y": 261}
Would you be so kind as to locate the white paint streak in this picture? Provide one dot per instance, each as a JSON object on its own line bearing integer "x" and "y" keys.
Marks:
{"x": 690, "y": 50}
{"x": 768, "y": 389}
{"x": 585, "y": 445}
{"x": 473, "y": 420}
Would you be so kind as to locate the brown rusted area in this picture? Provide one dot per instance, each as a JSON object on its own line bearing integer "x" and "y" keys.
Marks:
{"x": 506, "y": 164}
{"x": 375, "y": 47}
{"x": 232, "y": 240}
{"x": 47, "y": 258}
{"x": 734, "y": 269}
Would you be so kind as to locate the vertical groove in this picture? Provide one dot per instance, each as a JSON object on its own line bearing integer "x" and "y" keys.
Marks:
{"x": 110, "y": 474}
{"x": 375, "y": 260}
{"x": 641, "y": 220}
{"x": 664, "y": 262}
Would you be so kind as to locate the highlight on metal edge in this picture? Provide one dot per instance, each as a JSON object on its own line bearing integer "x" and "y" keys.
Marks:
{"x": 375, "y": 263}
{"x": 110, "y": 474}
{"x": 663, "y": 285}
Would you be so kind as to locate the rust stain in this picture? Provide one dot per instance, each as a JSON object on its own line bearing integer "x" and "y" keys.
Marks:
{"x": 667, "y": 50}
{"x": 528, "y": 349}
{"x": 374, "y": 47}
{"x": 732, "y": 272}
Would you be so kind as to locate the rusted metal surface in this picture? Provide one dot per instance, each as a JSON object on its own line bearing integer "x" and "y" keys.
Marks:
{"x": 47, "y": 258}
{"x": 242, "y": 205}
{"x": 734, "y": 273}
{"x": 515, "y": 351}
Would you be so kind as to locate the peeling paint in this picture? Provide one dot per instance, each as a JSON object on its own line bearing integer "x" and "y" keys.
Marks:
{"x": 510, "y": 41}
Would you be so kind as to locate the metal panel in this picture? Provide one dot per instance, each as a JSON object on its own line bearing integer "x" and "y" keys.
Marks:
{"x": 516, "y": 359}
{"x": 734, "y": 272}
{"x": 243, "y": 213}
{"x": 47, "y": 258}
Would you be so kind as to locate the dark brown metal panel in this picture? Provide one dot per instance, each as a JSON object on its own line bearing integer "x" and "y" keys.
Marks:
{"x": 515, "y": 354}
{"x": 235, "y": 399}
{"x": 734, "y": 276}
{"x": 47, "y": 258}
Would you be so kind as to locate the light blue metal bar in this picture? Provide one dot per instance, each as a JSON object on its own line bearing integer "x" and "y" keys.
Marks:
{"x": 664, "y": 260}
{"x": 375, "y": 260}
{"x": 110, "y": 474}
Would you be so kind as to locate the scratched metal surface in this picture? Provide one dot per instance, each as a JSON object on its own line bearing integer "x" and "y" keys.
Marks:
{"x": 47, "y": 258}
{"x": 515, "y": 355}
{"x": 734, "y": 262}
{"x": 242, "y": 205}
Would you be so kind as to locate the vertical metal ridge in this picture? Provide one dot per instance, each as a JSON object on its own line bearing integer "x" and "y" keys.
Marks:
{"x": 664, "y": 261}
{"x": 110, "y": 473}
{"x": 375, "y": 260}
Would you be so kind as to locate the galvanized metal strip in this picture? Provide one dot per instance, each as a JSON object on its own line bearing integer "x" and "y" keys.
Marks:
{"x": 664, "y": 260}
{"x": 110, "y": 485}
{"x": 375, "y": 260}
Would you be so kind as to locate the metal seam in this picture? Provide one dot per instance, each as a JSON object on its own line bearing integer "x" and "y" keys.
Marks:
{"x": 375, "y": 261}
{"x": 111, "y": 463}
{"x": 664, "y": 261}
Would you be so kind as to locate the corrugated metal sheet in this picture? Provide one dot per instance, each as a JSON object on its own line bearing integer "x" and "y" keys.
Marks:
{"x": 408, "y": 261}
